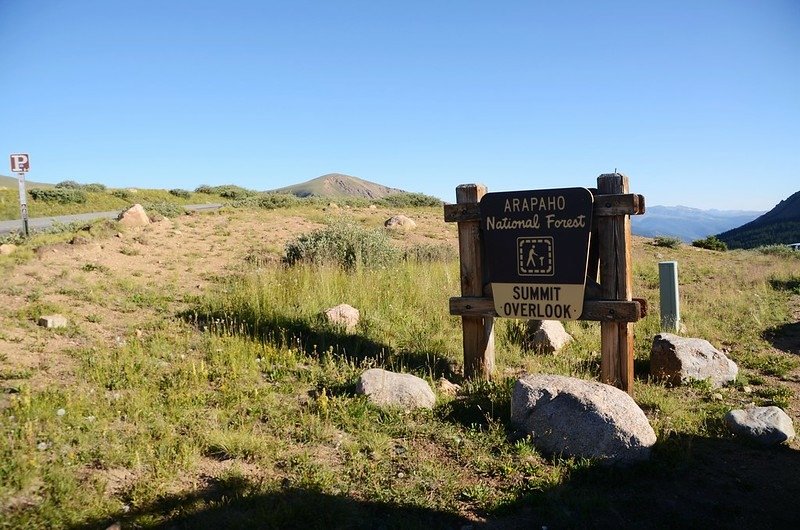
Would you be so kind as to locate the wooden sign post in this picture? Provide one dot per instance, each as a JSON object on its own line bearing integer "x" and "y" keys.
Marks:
{"x": 544, "y": 263}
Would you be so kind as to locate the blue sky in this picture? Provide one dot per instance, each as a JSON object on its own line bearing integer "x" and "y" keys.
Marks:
{"x": 697, "y": 101}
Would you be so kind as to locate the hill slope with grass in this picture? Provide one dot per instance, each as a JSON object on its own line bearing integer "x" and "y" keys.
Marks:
{"x": 12, "y": 182}
{"x": 779, "y": 226}
{"x": 198, "y": 385}
{"x": 335, "y": 185}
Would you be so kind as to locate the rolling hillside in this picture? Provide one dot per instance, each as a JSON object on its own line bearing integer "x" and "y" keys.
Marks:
{"x": 11, "y": 182}
{"x": 338, "y": 185}
{"x": 779, "y": 226}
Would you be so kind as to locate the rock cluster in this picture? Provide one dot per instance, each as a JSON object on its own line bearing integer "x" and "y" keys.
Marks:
{"x": 400, "y": 222}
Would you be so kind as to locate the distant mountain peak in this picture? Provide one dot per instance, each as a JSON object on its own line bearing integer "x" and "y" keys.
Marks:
{"x": 334, "y": 185}
{"x": 687, "y": 224}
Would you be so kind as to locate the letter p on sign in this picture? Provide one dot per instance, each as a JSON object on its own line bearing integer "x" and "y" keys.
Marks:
{"x": 20, "y": 163}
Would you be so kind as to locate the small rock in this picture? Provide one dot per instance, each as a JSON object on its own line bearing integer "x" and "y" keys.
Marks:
{"x": 747, "y": 390}
{"x": 61, "y": 412}
{"x": 765, "y": 425}
{"x": 80, "y": 240}
{"x": 385, "y": 388}
{"x": 680, "y": 360}
{"x": 42, "y": 446}
{"x": 134, "y": 216}
{"x": 716, "y": 396}
{"x": 400, "y": 222}
{"x": 447, "y": 388}
{"x": 333, "y": 206}
{"x": 400, "y": 474}
{"x": 53, "y": 321}
{"x": 7, "y": 249}
{"x": 546, "y": 336}
{"x": 343, "y": 315}
{"x": 373, "y": 207}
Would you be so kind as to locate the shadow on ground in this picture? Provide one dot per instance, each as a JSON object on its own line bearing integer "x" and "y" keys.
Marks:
{"x": 785, "y": 337}
{"x": 690, "y": 483}
{"x": 317, "y": 339}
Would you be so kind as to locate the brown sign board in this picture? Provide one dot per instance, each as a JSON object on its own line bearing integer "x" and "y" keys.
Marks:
{"x": 536, "y": 246}
{"x": 20, "y": 163}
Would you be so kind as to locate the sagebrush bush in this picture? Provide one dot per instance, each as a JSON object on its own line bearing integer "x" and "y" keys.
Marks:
{"x": 167, "y": 209}
{"x": 782, "y": 251}
{"x": 667, "y": 241}
{"x": 69, "y": 184}
{"x": 268, "y": 201}
{"x": 177, "y": 192}
{"x": 344, "y": 244}
{"x": 710, "y": 243}
{"x": 59, "y": 195}
{"x": 400, "y": 200}
{"x": 121, "y": 194}
{"x": 94, "y": 187}
{"x": 205, "y": 188}
{"x": 431, "y": 252}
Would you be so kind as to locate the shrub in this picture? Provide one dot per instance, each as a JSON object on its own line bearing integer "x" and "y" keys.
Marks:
{"x": 68, "y": 184}
{"x": 268, "y": 201}
{"x": 782, "y": 251}
{"x": 183, "y": 194}
{"x": 59, "y": 195}
{"x": 167, "y": 209}
{"x": 428, "y": 253}
{"x": 667, "y": 241}
{"x": 121, "y": 194}
{"x": 344, "y": 244}
{"x": 400, "y": 200}
{"x": 710, "y": 243}
{"x": 94, "y": 187}
{"x": 205, "y": 188}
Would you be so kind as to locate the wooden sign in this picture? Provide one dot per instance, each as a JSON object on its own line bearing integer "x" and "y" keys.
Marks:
{"x": 537, "y": 249}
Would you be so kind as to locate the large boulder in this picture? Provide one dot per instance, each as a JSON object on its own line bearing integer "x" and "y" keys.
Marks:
{"x": 546, "y": 336}
{"x": 765, "y": 425}
{"x": 134, "y": 216}
{"x": 400, "y": 222}
{"x": 385, "y": 388}
{"x": 680, "y": 360}
{"x": 584, "y": 419}
{"x": 344, "y": 316}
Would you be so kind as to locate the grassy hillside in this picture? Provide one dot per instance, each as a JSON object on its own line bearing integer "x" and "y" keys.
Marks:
{"x": 197, "y": 385}
{"x": 13, "y": 183}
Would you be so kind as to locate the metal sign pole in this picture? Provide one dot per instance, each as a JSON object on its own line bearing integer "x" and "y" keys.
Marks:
{"x": 23, "y": 203}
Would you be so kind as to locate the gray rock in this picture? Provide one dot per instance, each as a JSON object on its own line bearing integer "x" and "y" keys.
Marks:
{"x": 585, "y": 419}
{"x": 134, "y": 216}
{"x": 546, "y": 336}
{"x": 343, "y": 315}
{"x": 680, "y": 360}
{"x": 400, "y": 222}
{"x": 386, "y": 388}
{"x": 765, "y": 425}
{"x": 53, "y": 321}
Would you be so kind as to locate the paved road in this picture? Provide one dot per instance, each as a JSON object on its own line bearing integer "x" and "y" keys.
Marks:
{"x": 40, "y": 223}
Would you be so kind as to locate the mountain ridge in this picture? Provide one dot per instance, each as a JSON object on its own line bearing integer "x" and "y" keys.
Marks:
{"x": 687, "y": 223}
{"x": 779, "y": 226}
